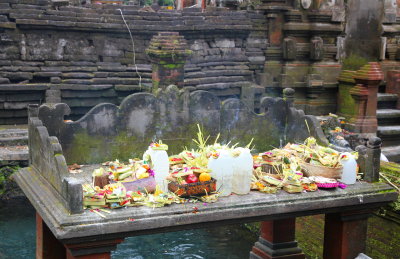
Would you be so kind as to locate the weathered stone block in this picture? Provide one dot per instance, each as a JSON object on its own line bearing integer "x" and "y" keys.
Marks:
{"x": 4, "y": 80}
{"x": 17, "y": 76}
{"x": 16, "y": 105}
{"x": 23, "y": 96}
{"x": 55, "y": 80}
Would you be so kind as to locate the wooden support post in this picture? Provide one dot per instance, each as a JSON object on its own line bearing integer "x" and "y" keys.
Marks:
{"x": 47, "y": 246}
{"x": 345, "y": 234}
{"x": 277, "y": 240}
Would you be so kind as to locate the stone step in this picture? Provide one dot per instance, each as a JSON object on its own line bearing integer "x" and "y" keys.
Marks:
{"x": 389, "y": 131}
{"x": 384, "y": 97}
{"x": 13, "y": 137}
{"x": 14, "y": 153}
{"x": 9, "y": 133}
{"x": 390, "y": 135}
{"x": 388, "y": 116}
{"x": 392, "y": 153}
{"x": 387, "y": 101}
{"x": 14, "y": 141}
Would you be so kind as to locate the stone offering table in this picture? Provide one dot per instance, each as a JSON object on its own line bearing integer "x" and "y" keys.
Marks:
{"x": 65, "y": 230}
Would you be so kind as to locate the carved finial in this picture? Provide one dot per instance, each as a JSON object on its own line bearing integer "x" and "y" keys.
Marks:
{"x": 374, "y": 142}
{"x": 288, "y": 95}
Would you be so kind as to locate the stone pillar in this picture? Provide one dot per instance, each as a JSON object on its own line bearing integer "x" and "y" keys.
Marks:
{"x": 345, "y": 103}
{"x": 365, "y": 95}
{"x": 274, "y": 52}
{"x": 345, "y": 234}
{"x": 277, "y": 240}
{"x": 393, "y": 84}
{"x": 369, "y": 158}
{"x": 167, "y": 52}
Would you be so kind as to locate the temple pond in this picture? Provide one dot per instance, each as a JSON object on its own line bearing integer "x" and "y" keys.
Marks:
{"x": 17, "y": 239}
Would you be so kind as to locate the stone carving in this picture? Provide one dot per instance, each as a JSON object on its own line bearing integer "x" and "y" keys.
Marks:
{"x": 289, "y": 48}
{"x": 306, "y": 3}
{"x": 47, "y": 160}
{"x": 109, "y": 132}
{"x": 317, "y": 48}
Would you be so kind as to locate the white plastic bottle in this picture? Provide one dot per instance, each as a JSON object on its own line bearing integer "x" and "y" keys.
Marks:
{"x": 222, "y": 171}
{"x": 349, "y": 164}
{"x": 159, "y": 163}
{"x": 242, "y": 171}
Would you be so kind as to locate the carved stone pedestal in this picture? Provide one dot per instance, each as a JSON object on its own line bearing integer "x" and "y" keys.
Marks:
{"x": 365, "y": 93}
{"x": 277, "y": 240}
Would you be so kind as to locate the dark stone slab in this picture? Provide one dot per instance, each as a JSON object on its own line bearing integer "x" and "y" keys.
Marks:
{"x": 4, "y": 81}
{"x": 23, "y": 87}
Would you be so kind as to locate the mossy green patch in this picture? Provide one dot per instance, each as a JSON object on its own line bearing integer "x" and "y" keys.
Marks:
{"x": 353, "y": 62}
{"x": 86, "y": 149}
{"x": 391, "y": 171}
{"x": 347, "y": 105}
{"x": 5, "y": 178}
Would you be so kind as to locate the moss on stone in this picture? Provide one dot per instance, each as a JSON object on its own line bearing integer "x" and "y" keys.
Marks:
{"x": 392, "y": 172}
{"x": 6, "y": 183}
{"x": 347, "y": 105}
{"x": 353, "y": 62}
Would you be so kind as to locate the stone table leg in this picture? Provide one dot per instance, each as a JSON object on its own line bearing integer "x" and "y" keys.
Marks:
{"x": 92, "y": 250}
{"x": 345, "y": 234}
{"x": 277, "y": 240}
{"x": 47, "y": 246}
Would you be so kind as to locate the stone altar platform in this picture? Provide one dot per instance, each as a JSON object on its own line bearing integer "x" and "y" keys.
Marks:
{"x": 90, "y": 229}
{"x": 65, "y": 230}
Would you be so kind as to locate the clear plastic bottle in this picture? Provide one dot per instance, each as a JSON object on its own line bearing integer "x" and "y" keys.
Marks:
{"x": 242, "y": 171}
{"x": 349, "y": 164}
{"x": 159, "y": 163}
{"x": 222, "y": 171}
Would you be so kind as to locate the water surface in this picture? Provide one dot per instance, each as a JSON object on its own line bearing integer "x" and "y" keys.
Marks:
{"x": 17, "y": 240}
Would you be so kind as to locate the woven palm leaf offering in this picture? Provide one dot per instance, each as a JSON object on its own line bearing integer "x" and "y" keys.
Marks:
{"x": 210, "y": 170}
{"x": 306, "y": 165}
{"x": 117, "y": 184}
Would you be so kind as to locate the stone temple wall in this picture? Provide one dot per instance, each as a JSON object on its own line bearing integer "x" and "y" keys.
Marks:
{"x": 83, "y": 55}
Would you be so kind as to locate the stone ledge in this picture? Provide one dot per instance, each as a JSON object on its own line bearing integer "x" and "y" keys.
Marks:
{"x": 22, "y": 87}
{"x": 233, "y": 209}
